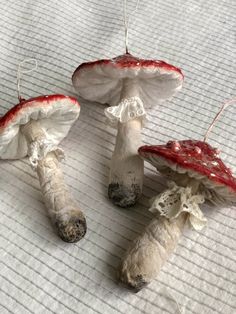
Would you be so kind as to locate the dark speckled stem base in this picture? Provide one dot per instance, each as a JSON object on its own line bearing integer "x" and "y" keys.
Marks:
{"x": 73, "y": 230}
{"x": 123, "y": 196}
{"x": 126, "y": 173}
{"x": 68, "y": 219}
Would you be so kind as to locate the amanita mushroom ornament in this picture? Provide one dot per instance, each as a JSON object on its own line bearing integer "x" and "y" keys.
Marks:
{"x": 196, "y": 174}
{"x": 34, "y": 128}
{"x": 130, "y": 85}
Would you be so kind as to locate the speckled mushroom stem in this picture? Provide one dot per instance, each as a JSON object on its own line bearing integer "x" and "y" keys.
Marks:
{"x": 126, "y": 172}
{"x": 148, "y": 253}
{"x": 64, "y": 212}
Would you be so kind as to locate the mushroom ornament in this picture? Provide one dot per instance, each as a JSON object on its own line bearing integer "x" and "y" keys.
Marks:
{"x": 130, "y": 85}
{"x": 196, "y": 174}
{"x": 34, "y": 128}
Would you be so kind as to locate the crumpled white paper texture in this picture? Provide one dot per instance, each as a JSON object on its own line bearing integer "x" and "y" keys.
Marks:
{"x": 41, "y": 274}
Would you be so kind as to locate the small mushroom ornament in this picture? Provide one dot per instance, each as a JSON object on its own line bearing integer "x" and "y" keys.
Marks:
{"x": 196, "y": 174}
{"x": 34, "y": 128}
{"x": 129, "y": 84}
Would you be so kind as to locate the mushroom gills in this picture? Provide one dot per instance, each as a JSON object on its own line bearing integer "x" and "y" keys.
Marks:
{"x": 216, "y": 194}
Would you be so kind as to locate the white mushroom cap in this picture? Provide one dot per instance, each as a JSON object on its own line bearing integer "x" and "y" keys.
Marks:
{"x": 102, "y": 80}
{"x": 56, "y": 114}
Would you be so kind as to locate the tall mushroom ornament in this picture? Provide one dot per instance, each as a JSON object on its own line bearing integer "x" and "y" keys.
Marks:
{"x": 196, "y": 174}
{"x": 34, "y": 128}
{"x": 130, "y": 85}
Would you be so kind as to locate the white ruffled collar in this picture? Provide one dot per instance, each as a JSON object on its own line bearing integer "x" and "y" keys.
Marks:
{"x": 126, "y": 110}
{"x": 177, "y": 200}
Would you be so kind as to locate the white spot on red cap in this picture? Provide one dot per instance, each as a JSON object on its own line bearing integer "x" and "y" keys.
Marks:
{"x": 198, "y": 150}
{"x": 217, "y": 151}
{"x": 175, "y": 146}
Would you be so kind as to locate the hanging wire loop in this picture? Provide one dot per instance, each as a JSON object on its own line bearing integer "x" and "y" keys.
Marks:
{"x": 126, "y": 22}
{"x": 20, "y": 72}
{"x": 223, "y": 107}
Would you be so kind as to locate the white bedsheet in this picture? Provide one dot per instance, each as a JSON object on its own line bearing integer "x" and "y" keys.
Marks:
{"x": 41, "y": 274}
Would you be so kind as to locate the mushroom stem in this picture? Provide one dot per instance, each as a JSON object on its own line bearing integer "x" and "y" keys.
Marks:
{"x": 126, "y": 172}
{"x": 148, "y": 253}
{"x": 64, "y": 212}
{"x": 129, "y": 88}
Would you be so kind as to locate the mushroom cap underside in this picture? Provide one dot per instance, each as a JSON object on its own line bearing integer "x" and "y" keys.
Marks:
{"x": 102, "y": 80}
{"x": 56, "y": 114}
{"x": 198, "y": 160}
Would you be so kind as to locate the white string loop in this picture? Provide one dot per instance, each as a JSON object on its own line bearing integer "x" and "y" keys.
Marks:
{"x": 20, "y": 72}
{"x": 126, "y": 22}
{"x": 223, "y": 107}
{"x": 165, "y": 292}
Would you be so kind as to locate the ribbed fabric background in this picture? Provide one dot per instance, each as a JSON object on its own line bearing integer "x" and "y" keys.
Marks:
{"x": 41, "y": 274}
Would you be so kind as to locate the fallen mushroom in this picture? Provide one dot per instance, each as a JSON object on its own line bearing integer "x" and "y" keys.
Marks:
{"x": 196, "y": 174}
{"x": 128, "y": 84}
{"x": 35, "y": 127}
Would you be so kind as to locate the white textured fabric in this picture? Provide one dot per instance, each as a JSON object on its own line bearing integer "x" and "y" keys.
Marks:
{"x": 41, "y": 274}
{"x": 128, "y": 109}
{"x": 177, "y": 200}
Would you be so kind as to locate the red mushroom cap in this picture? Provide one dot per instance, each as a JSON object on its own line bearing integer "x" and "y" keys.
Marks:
{"x": 101, "y": 80}
{"x": 44, "y": 100}
{"x": 195, "y": 158}
{"x": 56, "y": 114}
{"x": 128, "y": 61}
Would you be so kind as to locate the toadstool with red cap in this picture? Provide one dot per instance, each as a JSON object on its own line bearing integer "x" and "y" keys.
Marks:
{"x": 130, "y": 85}
{"x": 196, "y": 174}
{"x": 34, "y": 128}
